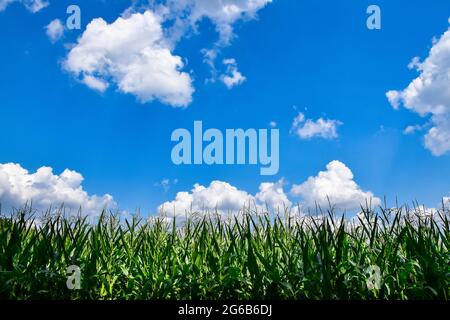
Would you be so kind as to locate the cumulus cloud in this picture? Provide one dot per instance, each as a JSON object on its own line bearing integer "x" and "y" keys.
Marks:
{"x": 32, "y": 5}
{"x": 136, "y": 51}
{"x": 308, "y": 128}
{"x": 336, "y": 184}
{"x": 44, "y": 189}
{"x": 133, "y": 53}
{"x": 225, "y": 198}
{"x": 272, "y": 196}
{"x": 218, "y": 195}
{"x": 429, "y": 96}
{"x": 232, "y": 77}
{"x": 55, "y": 30}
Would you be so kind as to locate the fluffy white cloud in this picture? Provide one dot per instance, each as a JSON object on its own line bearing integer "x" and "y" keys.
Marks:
{"x": 335, "y": 184}
{"x": 429, "y": 95}
{"x": 219, "y": 195}
{"x": 225, "y": 198}
{"x": 232, "y": 77}
{"x": 271, "y": 196}
{"x": 55, "y": 30}
{"x": 133, "y": 53}
{"x": 32, "y": 5}
{"x": 44, "y": 189}
{"x": 308, "y": 129}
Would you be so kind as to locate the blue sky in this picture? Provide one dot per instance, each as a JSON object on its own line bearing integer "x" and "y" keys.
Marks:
{"x": 297, "y": 56}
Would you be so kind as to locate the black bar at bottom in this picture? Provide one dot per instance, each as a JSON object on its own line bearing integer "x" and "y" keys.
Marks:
{"x": 222, "y": 309}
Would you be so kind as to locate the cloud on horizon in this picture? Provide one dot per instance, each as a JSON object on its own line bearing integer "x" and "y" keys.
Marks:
{"x": 336, "y": 184}
{"x": 44, "y": 189}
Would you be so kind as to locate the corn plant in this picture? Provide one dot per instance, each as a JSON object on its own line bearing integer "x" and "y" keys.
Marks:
{"x": 246, "y": 256}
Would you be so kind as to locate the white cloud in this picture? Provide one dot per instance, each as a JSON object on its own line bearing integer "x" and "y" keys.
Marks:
{"x": 429, "y": 96}
{"x": 44, "y": 189}
{"x": 32, "y": 5}
{"x": 232, "y": 77}
{"x": 412, "y": 129}
{"x": 226, "y": 199}
{"x": 335, "y": 184}
{"x": 218, "y": 195}
{"x": 271, "y": 196}
{"x": 94, "y": 83}
{"x": 414, "y": 64}
{"x": 55, "y": 30}
{"x": 308, "y": 128}
{"x": 133, "y": 53}
{"x": 394, "y": 98}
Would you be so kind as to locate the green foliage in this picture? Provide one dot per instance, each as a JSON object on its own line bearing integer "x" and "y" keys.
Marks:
{"x": 250, "y": 256}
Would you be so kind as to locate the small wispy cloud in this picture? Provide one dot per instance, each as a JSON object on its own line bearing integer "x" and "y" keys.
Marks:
{"x": 55, "y": 30}
{"x": 32, "y": 5}
{"x": 166, "y": 184}
{"x": 321, "y": 128}
{"x": 232, "y": 77}
{"x": 413, "y": 129}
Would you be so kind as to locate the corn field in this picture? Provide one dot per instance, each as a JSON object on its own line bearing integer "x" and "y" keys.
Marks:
{"x": 379, "y": 254}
